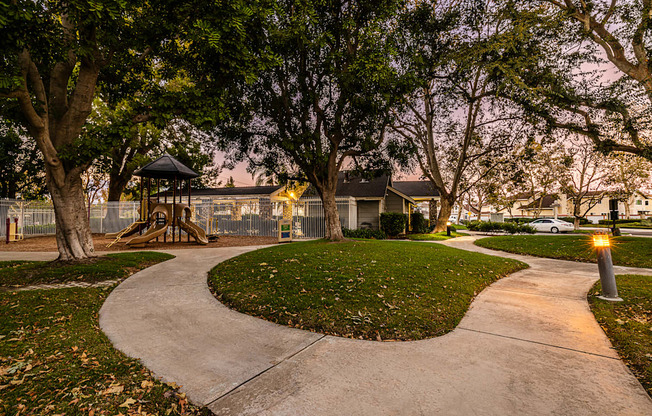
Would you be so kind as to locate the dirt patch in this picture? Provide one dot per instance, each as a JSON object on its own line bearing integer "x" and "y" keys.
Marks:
{"x": 49, "y": 243}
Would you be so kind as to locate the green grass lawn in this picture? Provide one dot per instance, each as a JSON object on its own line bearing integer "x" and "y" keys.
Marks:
{"x": 434, "y": 237}
{"x": 54, "y": 359}
{"x": 111, "y": 266}
{"x": 360, "y": 289}
{"x": 626, "y": 251}
{"x": 628, "y": 324}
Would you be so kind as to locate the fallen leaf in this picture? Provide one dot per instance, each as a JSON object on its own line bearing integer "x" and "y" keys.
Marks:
{"x": 128, "y": 402}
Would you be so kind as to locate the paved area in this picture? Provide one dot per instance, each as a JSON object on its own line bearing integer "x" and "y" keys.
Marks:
{"x": 528, "y": 345}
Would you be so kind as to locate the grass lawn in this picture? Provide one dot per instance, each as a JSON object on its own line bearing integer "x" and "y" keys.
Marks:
{"x": 626, "y": 251}
{"x": 628, "y": 324}
{"x": 360, "y": 289}
{"x": 55, "y": 360}
{"x": 111, "y": 266}
{"x": 434, "y": 237}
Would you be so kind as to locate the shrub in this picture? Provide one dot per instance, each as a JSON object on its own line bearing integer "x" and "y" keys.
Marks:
{"x": 473, "y": 225}
{"x": 393, "y": 223}
{"x": 509, "y": 227}
{"x": 419, "y": 223}
{"x": 364, "y": 233}
{"x": 583, "y": 221}
{"x": 620, "y": 221}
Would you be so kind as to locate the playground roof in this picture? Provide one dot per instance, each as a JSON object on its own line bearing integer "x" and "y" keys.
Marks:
{"x": 166, "y": 167}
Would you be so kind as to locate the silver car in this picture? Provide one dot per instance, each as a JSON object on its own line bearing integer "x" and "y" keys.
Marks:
{"x": 549, "y": 225}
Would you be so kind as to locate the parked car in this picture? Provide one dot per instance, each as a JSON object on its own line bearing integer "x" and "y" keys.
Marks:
{"x": 549, "y": 225}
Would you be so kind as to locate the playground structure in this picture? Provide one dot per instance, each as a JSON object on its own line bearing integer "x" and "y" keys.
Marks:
{"x": 162, "y": 219}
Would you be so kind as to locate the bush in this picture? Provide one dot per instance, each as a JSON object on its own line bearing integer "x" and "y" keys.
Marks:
{"x": 508, "y": 227}
{"x": 621, "y": 221}
{"x": 393, "y": 223}
{"x": 583, "y": 221}
{"x": 364, "y": 233}
{"x": 419, "y": 223}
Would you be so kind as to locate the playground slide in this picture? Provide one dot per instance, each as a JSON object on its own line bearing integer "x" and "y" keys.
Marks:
{"x": 194, "y": 230}
{"x": 152, "y": 233}
{"x": 126, "y": 232}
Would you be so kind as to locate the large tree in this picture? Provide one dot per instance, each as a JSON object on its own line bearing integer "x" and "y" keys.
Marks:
{"x": 584, "y": 180}
{"x": 329, "y": 98}
{"x": 591, "y": 74}
{"x": 457, "y": 117}
{"x": 56, "y": 55}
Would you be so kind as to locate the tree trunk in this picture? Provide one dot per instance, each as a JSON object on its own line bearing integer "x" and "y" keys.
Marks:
{"x": 333, "y": 225}
{"x": 74, "y": 238}
{"x": 116, "y": 186}
{"x": 576, "y": 223}
{"x": 445, "y": 209}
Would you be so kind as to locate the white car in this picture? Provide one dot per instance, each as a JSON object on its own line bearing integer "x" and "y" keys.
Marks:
{"x": 549, "y": 225}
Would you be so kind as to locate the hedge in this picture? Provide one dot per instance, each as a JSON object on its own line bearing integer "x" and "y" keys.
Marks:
{"x": 419, "y": 223}
{"x": 393, "y": 223}
{"x": 364, "y": 233}
{"x": 508, "y": 227}
{"x": 620, "y": 221}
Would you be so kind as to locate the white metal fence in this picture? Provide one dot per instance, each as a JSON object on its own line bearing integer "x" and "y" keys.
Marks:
{"x": 250, "y": 217}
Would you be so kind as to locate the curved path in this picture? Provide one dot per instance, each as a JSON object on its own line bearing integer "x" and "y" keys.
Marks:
{"x": 528, "y": 345}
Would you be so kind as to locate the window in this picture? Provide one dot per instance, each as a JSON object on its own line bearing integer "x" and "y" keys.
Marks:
{"x": 639, "y": 202}
{"x": 646, "y": 202}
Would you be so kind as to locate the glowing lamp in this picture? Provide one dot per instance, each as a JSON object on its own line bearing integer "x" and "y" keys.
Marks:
{"x": 448, "y": 223}
{"x": 601, "y": 240}
{"x": 292, "y": 195}
{"x": 606, "y": 268}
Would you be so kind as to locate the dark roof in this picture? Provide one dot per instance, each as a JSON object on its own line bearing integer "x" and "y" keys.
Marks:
{"x": 232, "y": 191}
{"x": 548, "y": 200}
{"x": 416, "y": 188}
{"x": 349, "y": 184}
{"x": 166, "y": 167}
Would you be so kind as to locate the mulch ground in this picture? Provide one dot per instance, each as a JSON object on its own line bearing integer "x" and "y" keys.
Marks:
{"x": 49, "y": 243}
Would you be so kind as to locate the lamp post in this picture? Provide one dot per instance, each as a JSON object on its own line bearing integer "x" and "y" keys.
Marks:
{"x": 448, "y": 228}
{"x": 606, "y": 268}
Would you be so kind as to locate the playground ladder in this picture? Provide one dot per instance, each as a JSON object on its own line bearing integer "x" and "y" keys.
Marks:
{"x": 119, "y": 236}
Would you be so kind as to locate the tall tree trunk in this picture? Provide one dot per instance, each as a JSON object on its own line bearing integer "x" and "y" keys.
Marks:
{"x": 73, "y": 232}
{"x": 445, "y": 209}
{"x": 117, "y": 185}
{"x": 332, "y": 216}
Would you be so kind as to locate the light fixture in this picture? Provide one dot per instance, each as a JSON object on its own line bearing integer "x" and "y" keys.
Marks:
{"x": 601, "y": 240}
{"x": 606, "y": 267}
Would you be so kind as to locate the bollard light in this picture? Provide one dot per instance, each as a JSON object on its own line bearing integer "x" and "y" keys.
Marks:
{"x": 606, "y": 268}
{"x": 448, "y": 228}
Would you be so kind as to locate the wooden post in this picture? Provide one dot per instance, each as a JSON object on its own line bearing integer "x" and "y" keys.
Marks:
{"x": 189, "y": 181}
{"x": 180, "y": 200}
{"x": 142, "y": 207}
{"x": 165, "y": 201}
{"x": 158, "y": 199}
{"x": 174, "y": 203}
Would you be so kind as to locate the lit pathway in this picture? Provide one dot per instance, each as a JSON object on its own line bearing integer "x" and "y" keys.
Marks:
{"x": 527, "y": 346}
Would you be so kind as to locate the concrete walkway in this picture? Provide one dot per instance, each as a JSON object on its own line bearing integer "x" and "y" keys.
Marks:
{"x": 528, "y": 345}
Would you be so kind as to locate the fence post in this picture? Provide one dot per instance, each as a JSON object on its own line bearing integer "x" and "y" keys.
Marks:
{"x": 8, "y": 225}
{"x": 22, "y": 217}
{"x": 101, "y": 220}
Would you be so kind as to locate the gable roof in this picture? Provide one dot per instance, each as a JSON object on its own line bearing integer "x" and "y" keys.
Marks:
{"x": 166, "y": 167}
{"x": 416, "y": 189}
{"x": 349, "y": 184}
{"x": 547, "y": 202}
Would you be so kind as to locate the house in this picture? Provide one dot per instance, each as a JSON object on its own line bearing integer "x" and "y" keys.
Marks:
{"x": 641, "y": 204}
{"x": 424, "y": 193}
{"x": 373, "y": 196}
